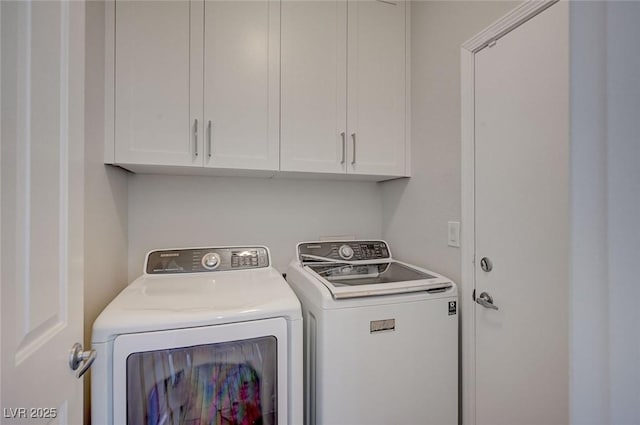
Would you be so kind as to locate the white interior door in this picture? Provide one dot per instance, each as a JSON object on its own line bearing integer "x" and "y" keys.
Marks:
{"x": 42, "y": 209}
{"x": 522, "y": 226}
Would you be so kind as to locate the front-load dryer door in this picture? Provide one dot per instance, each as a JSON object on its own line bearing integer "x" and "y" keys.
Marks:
{"x": 224, "y": 374}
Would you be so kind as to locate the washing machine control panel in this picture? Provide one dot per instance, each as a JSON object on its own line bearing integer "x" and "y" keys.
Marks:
{"x": 214, "y": 259}
{"x": 343, "y": 250}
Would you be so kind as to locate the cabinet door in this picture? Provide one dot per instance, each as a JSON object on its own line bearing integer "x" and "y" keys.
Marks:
{"x": 155, "y": 116}
{"x": 242, "y": 84}
{"x": 314, "y": 86}
{"x": 376, "y": 87}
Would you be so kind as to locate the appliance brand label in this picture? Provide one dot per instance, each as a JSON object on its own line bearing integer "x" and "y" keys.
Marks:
{"x": 452, "y": 308}
{"x": 382, "y": 325}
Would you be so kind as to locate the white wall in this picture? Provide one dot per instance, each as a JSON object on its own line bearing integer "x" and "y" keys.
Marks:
{"x": 105, "y": 192}
{"x": 589, "y": 312}
{"x": 416, "y": 211}
{"x": 605, "y": 284}
{"x": 623, "y": 189}
{"x": 178, "y": 211}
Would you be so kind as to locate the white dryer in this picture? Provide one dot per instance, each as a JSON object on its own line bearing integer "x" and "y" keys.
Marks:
{"x": 381, "y": 336}
{"x": 205, "y": 335}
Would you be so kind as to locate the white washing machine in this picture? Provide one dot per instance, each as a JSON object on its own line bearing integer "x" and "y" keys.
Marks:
{"x": 205, "y": 335}
{"x": 381, "y": 336}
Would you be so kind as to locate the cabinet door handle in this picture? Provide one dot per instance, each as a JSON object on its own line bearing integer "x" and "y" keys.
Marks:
{"x": 344, "y": 146}
{"x": 209, "y": 137}
{"x": 195, "y": 137}
{"x": 353, "y": 159}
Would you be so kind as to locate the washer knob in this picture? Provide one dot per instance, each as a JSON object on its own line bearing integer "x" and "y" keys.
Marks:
{"x": 210, "y": 260}
{"x": 346, "y": 252}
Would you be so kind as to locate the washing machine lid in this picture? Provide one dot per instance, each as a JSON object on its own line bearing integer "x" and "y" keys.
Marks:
{"x": 352, "y": 269}
{"x": 370, "y": 279}
{"x": 180, "y": 300}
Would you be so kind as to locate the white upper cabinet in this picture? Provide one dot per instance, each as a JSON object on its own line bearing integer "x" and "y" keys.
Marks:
{"x": 314, "y": 86}
{"x": 377, "y": 113}
{"x": 154, "y": 112}
{"x": 242, "y": 84}
{"x": 344, "y": 79}
{"x": 197, "y": 84}
{"x": 256, "y": 87}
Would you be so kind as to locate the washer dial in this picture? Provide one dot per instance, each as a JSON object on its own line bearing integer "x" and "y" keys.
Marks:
{"x": 210, "y": 260}
{"x": 346, "y": 252}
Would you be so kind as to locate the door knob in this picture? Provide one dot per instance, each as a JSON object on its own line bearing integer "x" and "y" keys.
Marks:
{"x": 486, "y": 301}
{"x": 486, "y": 264}
{"x": 78, "y": 356}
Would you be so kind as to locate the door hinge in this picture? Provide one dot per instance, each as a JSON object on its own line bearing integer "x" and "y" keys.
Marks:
{"x": 492, "y": 43}
{"x": 473, "y": 295}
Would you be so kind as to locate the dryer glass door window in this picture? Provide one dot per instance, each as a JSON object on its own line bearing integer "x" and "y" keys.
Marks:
{"x": 222, "y": 383}
{"x": 220, "y": 374}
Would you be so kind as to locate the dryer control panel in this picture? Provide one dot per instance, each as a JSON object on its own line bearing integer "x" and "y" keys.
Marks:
{"x": 343, "y": 250}
{"x": 214, "y": 259}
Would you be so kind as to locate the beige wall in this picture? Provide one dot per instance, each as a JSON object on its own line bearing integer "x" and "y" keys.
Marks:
{"x": 105, "y": 192}
{"x": 416, "y": 210}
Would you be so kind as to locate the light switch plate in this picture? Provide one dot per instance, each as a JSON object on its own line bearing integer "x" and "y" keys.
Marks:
{"x": 453, "y": 232}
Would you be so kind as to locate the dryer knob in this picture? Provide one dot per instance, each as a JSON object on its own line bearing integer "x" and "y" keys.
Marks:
{"x": 210, "y": 261}
{"x": 346, "y": 252}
